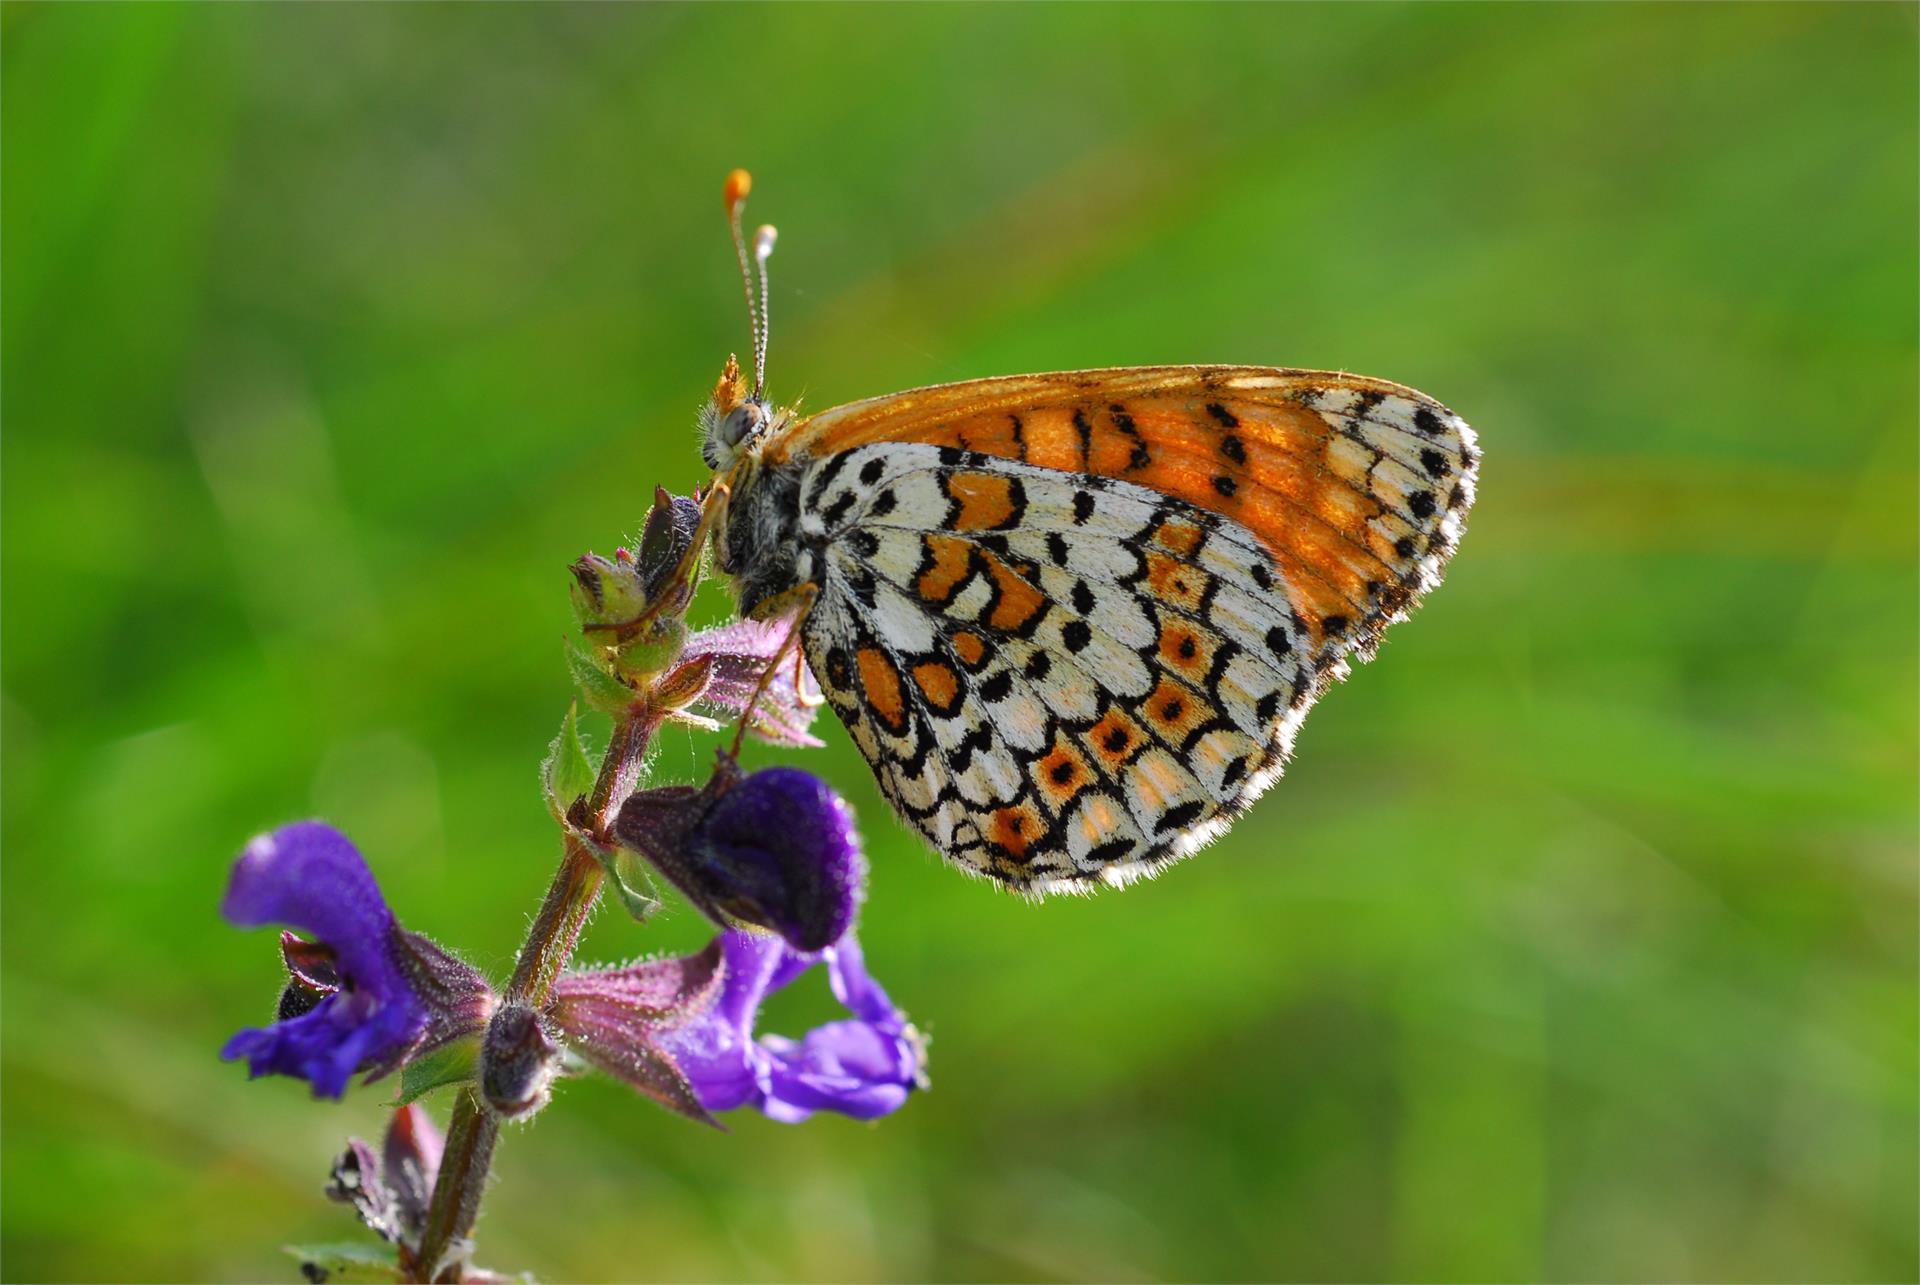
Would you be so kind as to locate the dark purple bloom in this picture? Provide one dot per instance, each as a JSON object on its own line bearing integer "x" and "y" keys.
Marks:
{"x": 774, "y": 849}
{"x": 863, "y": 1066}
{"x": 364, "y": 994}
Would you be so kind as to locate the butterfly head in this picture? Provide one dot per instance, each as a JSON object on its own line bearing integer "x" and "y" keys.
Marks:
{"x": 736, "y": 415}
{"x": 733, "y": 417}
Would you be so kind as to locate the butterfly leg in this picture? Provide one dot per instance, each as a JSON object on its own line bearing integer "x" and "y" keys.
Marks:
{"x": 813, "y": 697}
{"x": 793, "y": 605}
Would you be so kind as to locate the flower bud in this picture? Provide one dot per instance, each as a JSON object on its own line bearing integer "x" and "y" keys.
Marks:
{"x": 607, "y": 591}
{"x": 614, "y": 593}
{"x": 633, "y": 606}
{"x": 653, "y": 646}
{"x": 668, "y": 536}
{"x": 410, "y": 1163}
{"x": 518, "y": 1060}
{"x": 391, "y": 1189}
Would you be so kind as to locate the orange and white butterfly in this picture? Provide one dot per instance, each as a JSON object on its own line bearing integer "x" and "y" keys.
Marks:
{"x": 1073, "y": 621}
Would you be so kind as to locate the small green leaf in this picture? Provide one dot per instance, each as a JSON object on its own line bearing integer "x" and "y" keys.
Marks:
{"x": 449, "y": 1064}
{"x": 567, "y": 773}
{"x": 630, "y": 881}
{"x": 602, "y": 690}
{"x": 346, "y": 1262}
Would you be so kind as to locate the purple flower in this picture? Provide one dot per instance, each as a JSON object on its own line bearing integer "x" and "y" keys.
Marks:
{"x": 863, "y": 1066}
{"x": 774, "y": 849}
{"x": 737, "y": 655}
{"x": 365, "y": 994}
{"x": 616, "y": 1019}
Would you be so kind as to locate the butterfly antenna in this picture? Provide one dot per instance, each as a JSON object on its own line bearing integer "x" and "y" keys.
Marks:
{"x": 739, "y": 183}
{"x": 762, "y": 251}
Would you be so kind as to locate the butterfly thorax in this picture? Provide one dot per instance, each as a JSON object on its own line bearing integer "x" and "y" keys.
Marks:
{"x": 755, "y": 538}
{"x": 758, "y": 541}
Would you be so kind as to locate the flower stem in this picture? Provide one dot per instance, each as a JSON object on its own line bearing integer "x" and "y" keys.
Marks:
{"x": 471, "y": 1133}
{"x": 570, "y": 899}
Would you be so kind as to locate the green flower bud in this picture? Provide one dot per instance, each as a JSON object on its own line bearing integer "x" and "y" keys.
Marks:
{"x": 656, "y": 647}
{"x": 607, "y": 592}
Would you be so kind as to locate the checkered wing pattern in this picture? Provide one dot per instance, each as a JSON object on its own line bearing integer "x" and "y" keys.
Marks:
{"x": 1075, "y": 620}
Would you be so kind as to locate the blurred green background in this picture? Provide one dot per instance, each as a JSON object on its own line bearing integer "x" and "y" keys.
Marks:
{"x": 1580, "y": 942}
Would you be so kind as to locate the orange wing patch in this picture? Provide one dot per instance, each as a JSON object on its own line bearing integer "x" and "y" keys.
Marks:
{"x": 1015, "y": 829}
{"x": 881, "y": 683}
{"x": 1115, "y": 739}
{"x": 987, "y": 502}
{"x": 951, "y": 561}
{"x": 1184, "y": 649}
{"x": 1180, "y": 583}
{"x": 1017, "y": 604}
{"x": 939, "y": 685}
{"x": 971, "y": 648}
{"x": 1176, "y": 711}
{"x": 1061, "y": 773}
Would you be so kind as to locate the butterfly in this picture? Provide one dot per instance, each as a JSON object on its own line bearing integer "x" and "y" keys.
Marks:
{"x": 1073, "y": 621}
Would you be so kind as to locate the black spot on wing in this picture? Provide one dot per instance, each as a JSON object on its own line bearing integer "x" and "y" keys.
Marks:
{"x": 1179, "y": 817}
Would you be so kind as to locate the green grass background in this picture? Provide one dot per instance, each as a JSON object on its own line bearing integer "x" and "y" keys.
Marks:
{"x": 1579, "y": 942}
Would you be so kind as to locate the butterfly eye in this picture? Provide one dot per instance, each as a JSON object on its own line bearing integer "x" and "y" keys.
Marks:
{"x": 742, "y": 422}
{"x": 723, "y": 431}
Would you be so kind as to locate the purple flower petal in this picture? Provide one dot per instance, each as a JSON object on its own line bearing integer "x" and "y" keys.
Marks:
{"x": 327, "y": 1045}
{"x": 740, "y": 652}
{"x": 783, "y": 843}
{"x": 308, "y": 876}
{"x": 616, "y": 1018}
{"x": 863, "y": 1067}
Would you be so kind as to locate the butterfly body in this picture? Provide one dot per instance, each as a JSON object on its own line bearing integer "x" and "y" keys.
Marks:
{"x": 1074, "y": 620}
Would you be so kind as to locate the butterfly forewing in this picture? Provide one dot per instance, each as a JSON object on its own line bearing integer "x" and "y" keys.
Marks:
{"x": 1074, "y": 620}
{"x": 1357, "y": 487}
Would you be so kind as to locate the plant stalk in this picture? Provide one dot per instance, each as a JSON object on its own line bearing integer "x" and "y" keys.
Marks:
{"x": 473, "y": 1130}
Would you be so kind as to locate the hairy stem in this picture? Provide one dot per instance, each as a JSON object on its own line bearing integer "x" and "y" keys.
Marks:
{"x": 556, "y": 929}
{"x": 471, "y": 1133}
{"x": 576, "y": 886}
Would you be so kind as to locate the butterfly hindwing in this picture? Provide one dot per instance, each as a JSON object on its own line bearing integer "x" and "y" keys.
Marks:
{"x": 1095, "y": 666}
